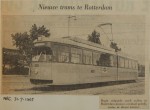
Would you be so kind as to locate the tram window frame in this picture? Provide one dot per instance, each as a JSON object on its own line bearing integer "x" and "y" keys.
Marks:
{"x": 59, "y": 51}
{"x": 84, "y": 57}
{"x": 126, "y": 63}
{"x": 96, "y": 58}
{"x": 136, "y": 65}
{"x": 130, "y": 64}
{"x": 120, "y": 62}
{"x": 55, "y": 49}
{"x": 114, "y": 61}
{"x": 77, "y": 53}
{"x": 133, "y": 64}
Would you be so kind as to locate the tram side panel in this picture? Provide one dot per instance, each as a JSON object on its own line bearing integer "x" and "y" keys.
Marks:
{"x": 89, "y": 74}
{"x": 65, "y": 73}
{"x": 127, "y": 69}
{"x": 93, "y": 74}
{"x": 127, "y": 74}
{"x": 108, "y": 74}
{"x": 41, "y": 71}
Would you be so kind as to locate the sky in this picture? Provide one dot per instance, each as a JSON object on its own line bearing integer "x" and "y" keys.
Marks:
{"x": 128, "y": 31}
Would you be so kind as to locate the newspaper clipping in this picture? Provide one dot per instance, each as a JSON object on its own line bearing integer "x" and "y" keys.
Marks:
{"x": 75, "y": 55}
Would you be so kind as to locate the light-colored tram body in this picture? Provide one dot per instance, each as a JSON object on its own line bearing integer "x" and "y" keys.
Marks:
{"x": 67, "y": 61}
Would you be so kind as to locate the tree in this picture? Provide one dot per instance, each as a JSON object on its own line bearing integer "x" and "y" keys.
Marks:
{"x": 36, "y": 32}
{"x": 94, "y": 37}
{"x": 115, "y": 46}
{"x": 12, "y": 59}
{"x": 105, "y": 59}
{"x": 24, "y": 41}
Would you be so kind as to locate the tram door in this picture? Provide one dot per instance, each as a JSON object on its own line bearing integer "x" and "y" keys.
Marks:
{"x": 109, "y": 69}
{"x": 42, "y": 63}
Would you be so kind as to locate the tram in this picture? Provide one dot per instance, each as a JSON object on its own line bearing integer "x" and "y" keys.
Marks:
{"x": 71, "y": 60}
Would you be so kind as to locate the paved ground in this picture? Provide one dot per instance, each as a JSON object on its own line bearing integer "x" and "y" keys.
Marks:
{"x": 22, "y": 85}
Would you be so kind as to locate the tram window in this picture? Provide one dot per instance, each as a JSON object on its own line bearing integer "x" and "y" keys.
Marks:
{"x": 121, "y": 62}
{"x": 105, "y": 60}
{"x": 48, "y": 57}
{"x": 63, "y": 54}
{"x": 133, "y": 65}
{"x": 87, "y": 57}
{"x": 130, "y": 65}
{"x": 96, "y": 57}
{"x": 136, "y": 65}
{"x": 126, "y": 63}
{"x": 115, "y": 61}
{"x": 111, "y": 60}
{"x": 55, "y": 49}
{"x": 76, "y": 55}
{"x": 42, "y": 54}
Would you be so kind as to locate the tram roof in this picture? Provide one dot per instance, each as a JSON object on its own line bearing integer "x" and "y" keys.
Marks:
{"x": 75, "y": 41}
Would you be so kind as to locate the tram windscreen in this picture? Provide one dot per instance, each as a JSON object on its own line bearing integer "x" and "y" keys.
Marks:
{"x": 42, "y": 54}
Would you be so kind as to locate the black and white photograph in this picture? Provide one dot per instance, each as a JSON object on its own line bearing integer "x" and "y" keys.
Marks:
{"x": 73, "y": 54}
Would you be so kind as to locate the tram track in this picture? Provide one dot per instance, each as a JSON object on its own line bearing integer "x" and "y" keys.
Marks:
{"x": 23, "y": 86}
